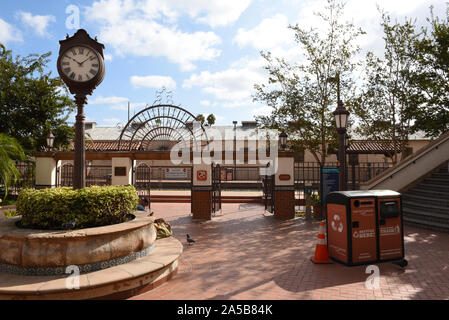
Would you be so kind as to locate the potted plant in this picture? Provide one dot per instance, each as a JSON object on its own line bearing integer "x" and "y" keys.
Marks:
{"x": 316, "y": 204}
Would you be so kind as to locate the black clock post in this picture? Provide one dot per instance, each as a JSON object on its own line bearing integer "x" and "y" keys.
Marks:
{"x": 81, "y": 44}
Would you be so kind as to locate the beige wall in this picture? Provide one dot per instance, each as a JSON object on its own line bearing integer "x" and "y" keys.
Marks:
{"x": 122, "y": 162}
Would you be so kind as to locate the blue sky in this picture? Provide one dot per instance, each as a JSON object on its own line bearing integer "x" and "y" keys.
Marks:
{"x": 205, "y": 51}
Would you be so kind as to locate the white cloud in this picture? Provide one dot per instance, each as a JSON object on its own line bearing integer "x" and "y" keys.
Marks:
{"x": 211, "y": 12}
{"x": 108, "y": 57}
{"x": 270, "y": 33}
{"x": 157, "y": 82}
{"x": 109, "y": 100}
{"x": 38, "y": 23}
{"x": 146, "y": 27}
{"x": 132, "y": 106}
{"x": 111, "y": 120}
{"x": 233, "y": 86}
{"x": 205, "y": 103}
{"x": 262, "y": 111}
{"x": 8, "y": 33}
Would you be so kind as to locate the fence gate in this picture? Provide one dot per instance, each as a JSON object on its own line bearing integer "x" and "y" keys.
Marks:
{"x": 216, "y": 188}
{"x": 66, "y": 175}
{"x": 142, "y": 181}
{"x": 268, "y": 192}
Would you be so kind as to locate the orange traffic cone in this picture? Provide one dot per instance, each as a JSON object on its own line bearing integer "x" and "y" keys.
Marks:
{"x": 321, "y": 254}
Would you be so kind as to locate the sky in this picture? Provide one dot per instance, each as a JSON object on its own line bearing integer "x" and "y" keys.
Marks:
{"x": 207, "y": 52}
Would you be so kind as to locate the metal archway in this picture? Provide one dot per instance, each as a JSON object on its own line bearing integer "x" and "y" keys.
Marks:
{"x": 159, "y": 128}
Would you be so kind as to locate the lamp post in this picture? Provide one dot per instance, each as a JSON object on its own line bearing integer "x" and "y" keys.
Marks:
{"x": 283, "y": 140}
{"x": 50, "y": 141}
{"x": 341, "y": 120}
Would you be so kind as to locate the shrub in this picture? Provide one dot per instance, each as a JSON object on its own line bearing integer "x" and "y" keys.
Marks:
{"x": 51, "y": 209}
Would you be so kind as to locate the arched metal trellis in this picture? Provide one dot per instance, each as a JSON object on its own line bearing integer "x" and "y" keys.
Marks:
{"x": 159, "y": 128}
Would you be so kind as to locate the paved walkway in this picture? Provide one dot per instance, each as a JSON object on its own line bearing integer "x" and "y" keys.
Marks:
{"x": 243, "y": 255}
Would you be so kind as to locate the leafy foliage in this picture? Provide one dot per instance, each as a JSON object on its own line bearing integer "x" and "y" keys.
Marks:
{"x": 10, "y": 150}
{"x": 389, "y": 100}
{"x": 432, "y": 77}
{"x": 50, "y": 209}
{"x": 32, "y": 102}
{"x": 303, "y": 96}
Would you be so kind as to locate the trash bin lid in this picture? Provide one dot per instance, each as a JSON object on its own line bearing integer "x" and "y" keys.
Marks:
{"x": 385, "y": 193}
{"x": 363, "y": 193}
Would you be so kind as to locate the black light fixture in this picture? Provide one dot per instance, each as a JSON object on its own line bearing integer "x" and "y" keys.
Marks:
{"x": 50, "y": 140}
{"x": 341, "y": 117}
{"x": 341, "y": 120}
{"x": 283, "y": 140}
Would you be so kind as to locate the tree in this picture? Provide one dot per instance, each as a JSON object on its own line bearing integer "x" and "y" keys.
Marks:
{"x": 32, "y": 102}
{"x": 389, "y": 100}
{"x": 10, "y": 150}
{"x": 302, "y": 95}
{"x": 201, "y": 118}
{"x": 432, "y": 77}
{"x": 211, "y": 120}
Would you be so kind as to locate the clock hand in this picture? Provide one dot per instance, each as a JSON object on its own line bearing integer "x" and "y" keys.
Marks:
{"x": 75, "y": 61}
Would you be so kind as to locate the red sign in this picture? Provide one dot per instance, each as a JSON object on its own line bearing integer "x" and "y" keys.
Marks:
{"x": 201, "y": 175}
{"x": 284, "y": 177}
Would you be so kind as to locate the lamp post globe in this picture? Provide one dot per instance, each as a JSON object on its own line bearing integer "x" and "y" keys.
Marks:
{"x": 50, "y": 140}
{"x": 283, "y": 140}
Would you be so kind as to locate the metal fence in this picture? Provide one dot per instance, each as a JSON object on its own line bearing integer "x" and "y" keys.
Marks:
{"x": 26, "y": 179}
{"x": 310, "y": 172}
{"x": 241, "y": 174}
{"x": 95, "y": 175}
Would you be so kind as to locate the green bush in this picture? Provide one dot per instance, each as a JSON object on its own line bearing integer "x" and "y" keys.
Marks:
{"x": 51, "y": 209}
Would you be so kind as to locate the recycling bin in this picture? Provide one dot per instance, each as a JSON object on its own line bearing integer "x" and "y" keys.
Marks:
{"x": 365, "y": 227}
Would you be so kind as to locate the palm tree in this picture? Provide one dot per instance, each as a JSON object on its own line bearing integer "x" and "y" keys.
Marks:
{"x": 9, "y": 149}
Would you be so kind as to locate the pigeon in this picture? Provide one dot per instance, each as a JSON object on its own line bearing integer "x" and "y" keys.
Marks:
{"x": 190, "y": 240}
{"x": 70, "y": 225}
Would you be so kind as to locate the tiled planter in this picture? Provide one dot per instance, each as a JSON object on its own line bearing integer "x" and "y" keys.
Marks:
{"x": 35, "y": 252}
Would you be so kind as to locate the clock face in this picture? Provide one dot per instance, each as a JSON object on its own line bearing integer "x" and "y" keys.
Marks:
{"x": 80, "y": 64}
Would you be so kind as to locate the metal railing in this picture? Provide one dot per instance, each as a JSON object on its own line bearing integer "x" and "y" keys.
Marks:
{"x": 310, "y": 172}
{"x": 241, "y": 174}
{"x": 26, "y": 179}
{"x": 95, "y": 176}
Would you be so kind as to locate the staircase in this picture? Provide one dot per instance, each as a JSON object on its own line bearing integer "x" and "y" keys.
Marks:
{"x": 427, "y": 204}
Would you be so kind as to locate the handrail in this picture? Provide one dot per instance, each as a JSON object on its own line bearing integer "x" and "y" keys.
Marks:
{"x": 411, "y": 159}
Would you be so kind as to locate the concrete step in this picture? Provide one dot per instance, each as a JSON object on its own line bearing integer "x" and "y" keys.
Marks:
{"x": 431, "y": 199}
{"x": 418, "y": 223}
{"x": 426, "y": 206}
{"x": 434, "y": 186}
{"x": 442, "y": 217}
{"x": 437, "y": 180}
{"x": 429, "y": 193}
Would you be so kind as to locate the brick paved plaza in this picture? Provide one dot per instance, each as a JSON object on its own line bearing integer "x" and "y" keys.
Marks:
{"x": 242, "y": 254}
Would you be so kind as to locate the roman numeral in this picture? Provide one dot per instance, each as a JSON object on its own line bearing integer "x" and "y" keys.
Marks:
{"x": 88, "y": 53}
{"x": 80, "y": 78}
{"x": 95, "y": 65}
{"x": 72, "y": 76}
{"x": 67, "y": 70}
{"x": 81, "y": 51}
{"x": 87, "y": 76}
{"x": 93, "y": 58}
{"x": 73, "y": 52}
{"x": 66, "y": 63}
{"x": 94, "y": 72}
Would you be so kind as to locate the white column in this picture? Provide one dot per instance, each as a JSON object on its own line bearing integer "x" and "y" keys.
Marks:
{"x": 122, "y": 171}
{"x": 45, "y": 172}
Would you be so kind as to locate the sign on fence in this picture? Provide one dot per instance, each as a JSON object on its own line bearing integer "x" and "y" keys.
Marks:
{"x": 329, "y": 181}
{"x": 176, "y": 173}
